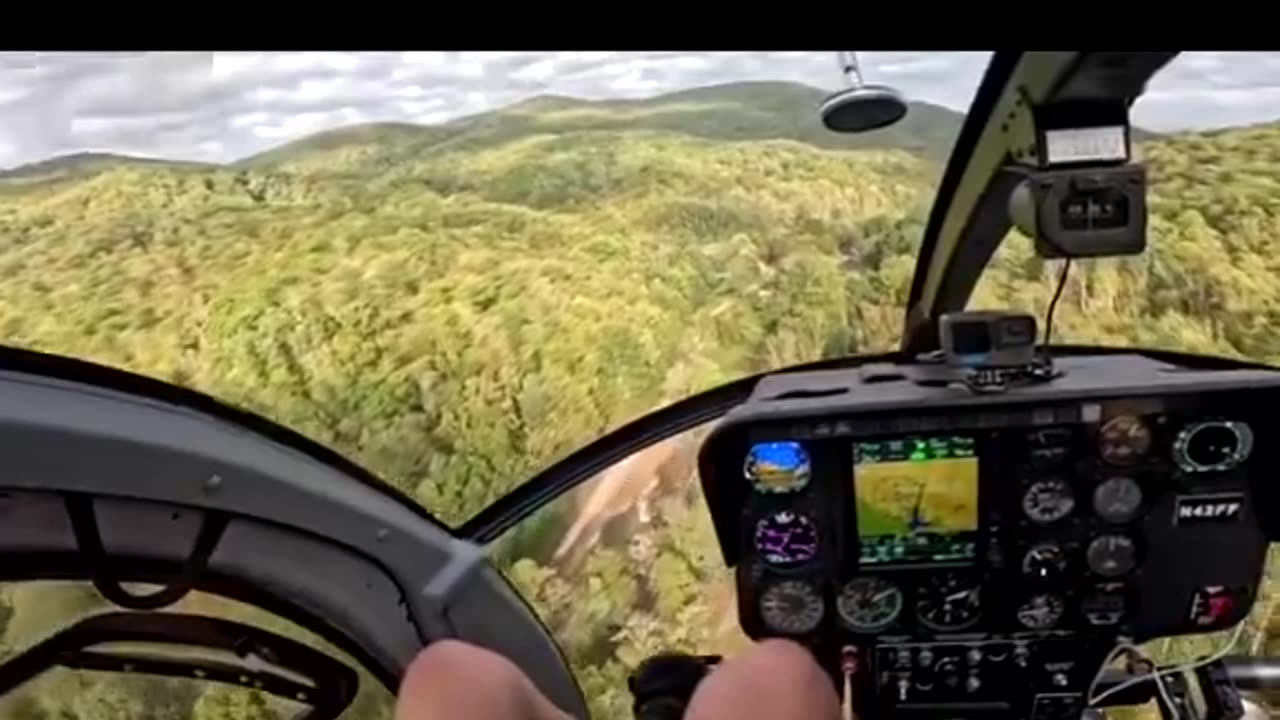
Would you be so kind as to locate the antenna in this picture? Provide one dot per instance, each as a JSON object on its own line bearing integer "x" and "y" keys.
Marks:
{"x": 860, "y": 107}
{"x": 849, "y": 67}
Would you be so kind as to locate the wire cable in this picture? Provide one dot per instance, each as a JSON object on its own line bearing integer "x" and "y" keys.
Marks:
{"x": 1158, "y": 676}
{"x": 1053, "y": 305}
{"x": 1125, "y": 645}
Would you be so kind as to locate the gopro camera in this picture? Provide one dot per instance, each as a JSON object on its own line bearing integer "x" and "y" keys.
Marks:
{"x": 988, "y": 339}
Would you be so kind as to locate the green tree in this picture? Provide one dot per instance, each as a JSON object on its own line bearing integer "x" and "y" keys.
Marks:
{"x": 231, "y": 702}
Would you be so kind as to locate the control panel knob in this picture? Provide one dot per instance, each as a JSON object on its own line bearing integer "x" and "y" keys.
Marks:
{"x": 904, "y": 684}
{"x": 1059, "y": 679}
{"x": 925, "y": 657}
{"x": 974, "y": 656}
{"x": 973, "y": 684}
{"x": 1111, "y": 555}
{"x": 1020, "y": 654}
{"x": 904, "y": 657}
{"x": 949, "y": 670}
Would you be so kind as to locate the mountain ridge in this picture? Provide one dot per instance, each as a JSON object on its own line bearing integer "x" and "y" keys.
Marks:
{"x": 754, "y": 110}
{"x": 733, "y": 111}
{"x": 86, "y": 160}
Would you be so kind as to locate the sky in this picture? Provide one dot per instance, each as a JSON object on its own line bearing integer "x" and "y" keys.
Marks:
{"x": 220, "y": 107}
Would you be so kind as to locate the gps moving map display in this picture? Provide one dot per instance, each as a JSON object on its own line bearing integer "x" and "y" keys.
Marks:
{"x": 917, "y": 499}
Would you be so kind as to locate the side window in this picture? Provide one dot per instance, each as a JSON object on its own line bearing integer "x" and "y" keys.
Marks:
{"x": 33, "y": 611}
{"x": 625, "y": 566}
{"x": 1207, "y": 282}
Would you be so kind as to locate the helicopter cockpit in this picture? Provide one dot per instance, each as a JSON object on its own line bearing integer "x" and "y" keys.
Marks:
{"x": 979, "y": 523}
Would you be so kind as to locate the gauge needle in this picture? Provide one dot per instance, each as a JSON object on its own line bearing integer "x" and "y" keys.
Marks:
{"x": 959, "y": 595}
{"x": 881, "y": 595}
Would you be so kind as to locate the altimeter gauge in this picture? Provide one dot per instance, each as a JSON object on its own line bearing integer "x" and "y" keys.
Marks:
{"x": 869, "y": 604}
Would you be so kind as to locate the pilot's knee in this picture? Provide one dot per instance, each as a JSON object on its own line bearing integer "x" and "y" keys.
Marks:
{"x": 785, "y": 663}
{"x": 773, "y": 665}
{"x": 450, "y": 678}
{"x": 446, "y": 662}
{"x": 775, "y": 678}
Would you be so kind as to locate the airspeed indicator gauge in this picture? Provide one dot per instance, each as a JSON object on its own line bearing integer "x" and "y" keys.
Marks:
{"x": 791, "y": 607}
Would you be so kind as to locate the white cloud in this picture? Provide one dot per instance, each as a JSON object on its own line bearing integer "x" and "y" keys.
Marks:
{"x": 220, "y": 106}
{"x": 1212, "y": 89}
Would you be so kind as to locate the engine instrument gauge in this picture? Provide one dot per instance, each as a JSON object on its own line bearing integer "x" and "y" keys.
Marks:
{"x": 777, "y": 467}
{"x": 1040, "y": 612}
{"x": 786, "y": 538}
{"x": 1212, "y": 446}
{"x": 1048, "y": 500}
{"x": 869, "y": 604}
{"x": 1111, "y": 555}
{"x": 1117, "y": 499}
{"x": 1124, "y": 440}
{"x": 949, "y": 602}
{"x": 791, "y": 607}
{"x": 1044, "y": 561}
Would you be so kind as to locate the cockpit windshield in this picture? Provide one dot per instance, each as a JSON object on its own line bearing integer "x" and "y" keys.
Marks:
{"x": 454, "y": 268}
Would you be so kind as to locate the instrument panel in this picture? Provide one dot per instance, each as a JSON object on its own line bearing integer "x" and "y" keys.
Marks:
{"x": 954, "y": 549}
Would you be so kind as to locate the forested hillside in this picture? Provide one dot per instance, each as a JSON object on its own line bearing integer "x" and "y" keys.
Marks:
{"x": 455, "y": 307}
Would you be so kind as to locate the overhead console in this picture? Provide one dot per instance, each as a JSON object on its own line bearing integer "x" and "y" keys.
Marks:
{"x": 979, "y": 555}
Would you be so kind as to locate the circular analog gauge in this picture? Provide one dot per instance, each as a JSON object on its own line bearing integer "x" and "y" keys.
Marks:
{"x": 1117, "y": 499}
{"x": 1048, "y": 500}
{"x": 777, "y": 467}
{"x": 786, "y": 538}
{"x": 1212, "y": 446}
{"x": 1124, "y": 440}
{"x": 1044, "y": 561}
{"x": 791, "y": 607}
{"x": 1111, "y": 555}
{"x": 869, "y": 604}
{"x": 1040, "y": 612}
{"x": 948, "y": 602}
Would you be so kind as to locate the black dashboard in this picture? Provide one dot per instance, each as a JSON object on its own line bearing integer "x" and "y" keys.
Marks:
{"x": 971, "y": 555}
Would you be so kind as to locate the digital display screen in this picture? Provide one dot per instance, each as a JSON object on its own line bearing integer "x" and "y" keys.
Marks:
{"x": 1094, "y": 209}
{"x": 777, "y": 467}
{"x": 917, "y": 499}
